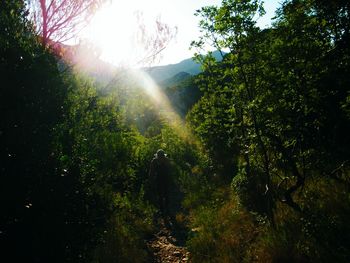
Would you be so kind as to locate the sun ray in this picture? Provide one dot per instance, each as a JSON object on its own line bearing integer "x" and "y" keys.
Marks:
{"x": 164, "y": 107}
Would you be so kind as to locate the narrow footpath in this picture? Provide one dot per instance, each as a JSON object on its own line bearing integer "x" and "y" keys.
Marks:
{"x": 167, "y": 245}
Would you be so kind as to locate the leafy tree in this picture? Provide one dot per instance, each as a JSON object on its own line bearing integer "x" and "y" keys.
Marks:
{"x": 32, "y": 105}
{"x": 274, "y": 102}
{"x": 278, "y": 103}
{"x": 65, "y": 153}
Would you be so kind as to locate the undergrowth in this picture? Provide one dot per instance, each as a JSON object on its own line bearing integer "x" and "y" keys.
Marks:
{"x": 224, "y": 231}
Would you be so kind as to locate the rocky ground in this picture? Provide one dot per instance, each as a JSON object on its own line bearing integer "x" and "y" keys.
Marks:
{"x": 167, "y": 245}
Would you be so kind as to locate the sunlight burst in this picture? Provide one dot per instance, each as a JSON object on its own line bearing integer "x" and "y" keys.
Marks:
{"x": 111, "y": 31}
{"x": 116, "y": 27}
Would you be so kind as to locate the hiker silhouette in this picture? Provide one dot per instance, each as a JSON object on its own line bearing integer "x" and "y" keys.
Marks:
{"x": 159, "y": 174}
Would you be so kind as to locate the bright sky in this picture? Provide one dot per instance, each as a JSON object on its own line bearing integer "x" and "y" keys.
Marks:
{"x": 113, "y": 27}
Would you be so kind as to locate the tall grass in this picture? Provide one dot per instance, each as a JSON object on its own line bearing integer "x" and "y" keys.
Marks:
{"x": 224, "y": 231}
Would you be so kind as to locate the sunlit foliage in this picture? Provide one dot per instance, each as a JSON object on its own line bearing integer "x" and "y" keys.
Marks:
{"x": 275, "y": 108}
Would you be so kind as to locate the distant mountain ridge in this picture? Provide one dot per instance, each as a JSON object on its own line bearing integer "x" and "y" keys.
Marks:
{"x": 176, "y": 80}
{"x": 162, "y": 73}
{"x": 87, "y": 60}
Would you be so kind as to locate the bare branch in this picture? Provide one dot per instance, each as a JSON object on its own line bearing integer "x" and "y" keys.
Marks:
{"x": 56, "y": 19}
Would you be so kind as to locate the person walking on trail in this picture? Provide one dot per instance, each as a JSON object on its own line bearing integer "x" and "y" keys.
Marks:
{"x": 159, "y": 174}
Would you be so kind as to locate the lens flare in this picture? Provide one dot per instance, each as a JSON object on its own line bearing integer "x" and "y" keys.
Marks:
{"x": 165, "y": 109}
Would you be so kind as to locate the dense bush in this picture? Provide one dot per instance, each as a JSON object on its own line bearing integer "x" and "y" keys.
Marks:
{"x": 274, "y": 120}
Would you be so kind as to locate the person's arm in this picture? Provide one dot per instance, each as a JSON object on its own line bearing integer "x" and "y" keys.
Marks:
{"x": 151, "y": 169}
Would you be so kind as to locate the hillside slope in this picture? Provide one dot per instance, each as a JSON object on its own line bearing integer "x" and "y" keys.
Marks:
{"x": 161, "y": 73}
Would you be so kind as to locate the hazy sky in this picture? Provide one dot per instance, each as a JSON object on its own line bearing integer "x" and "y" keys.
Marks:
{"x": 114, "y": 25}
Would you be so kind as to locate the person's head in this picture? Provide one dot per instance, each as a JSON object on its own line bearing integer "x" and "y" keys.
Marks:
{"x": 160, "y": 153}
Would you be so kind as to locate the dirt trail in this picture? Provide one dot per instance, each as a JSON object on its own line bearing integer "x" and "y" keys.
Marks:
{"x": 167, "y": 245}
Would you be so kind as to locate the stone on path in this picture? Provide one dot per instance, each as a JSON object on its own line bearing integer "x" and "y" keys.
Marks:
{"x": 164, "y": 249}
